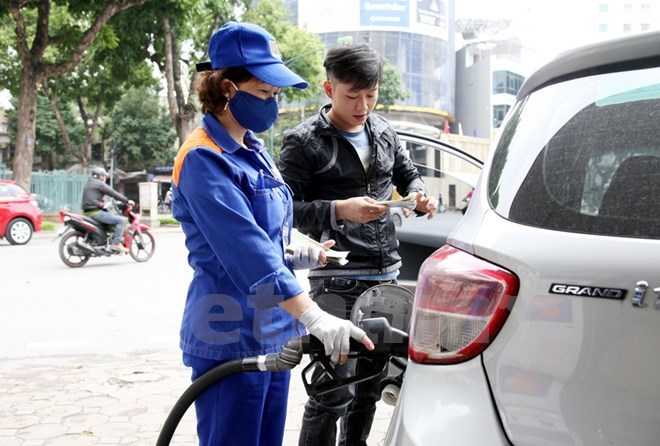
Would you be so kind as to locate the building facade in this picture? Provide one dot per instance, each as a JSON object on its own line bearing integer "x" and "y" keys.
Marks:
{"x": 489, "y": 74}
{"x": 416, "y": 36}
{"x": 616, "y": 18}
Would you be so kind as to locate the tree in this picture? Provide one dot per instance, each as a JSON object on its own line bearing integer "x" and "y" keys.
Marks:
{"x": 51, "y": 143}
{"x": 51, "y": 39}
{"x": 96, "y": 84}
{"x": 391, "y": 87}
{"x": 141, "y": 130}
{"x": 173, "y": 26}
{"x": 301, "y": 50}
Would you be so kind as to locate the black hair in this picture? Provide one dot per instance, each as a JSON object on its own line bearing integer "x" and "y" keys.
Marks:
{"x": 357, "y": 64}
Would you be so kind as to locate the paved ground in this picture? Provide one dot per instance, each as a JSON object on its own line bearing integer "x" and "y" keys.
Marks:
{"x": 70, "y": 401}
{"x": 96, "y": 400}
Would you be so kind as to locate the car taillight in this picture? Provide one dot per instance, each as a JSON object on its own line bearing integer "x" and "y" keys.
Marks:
{"x": 461, "y": 303}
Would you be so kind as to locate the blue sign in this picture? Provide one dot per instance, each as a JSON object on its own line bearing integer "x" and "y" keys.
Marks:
{"x": 384, "y": 12}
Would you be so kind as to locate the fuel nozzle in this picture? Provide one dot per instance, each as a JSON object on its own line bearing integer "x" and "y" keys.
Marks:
{"x": 389, "y": 342}
{"x": 320, "y": 375}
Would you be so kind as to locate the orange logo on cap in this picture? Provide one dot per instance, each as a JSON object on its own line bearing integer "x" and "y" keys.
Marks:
{"x": 274, "y": 50}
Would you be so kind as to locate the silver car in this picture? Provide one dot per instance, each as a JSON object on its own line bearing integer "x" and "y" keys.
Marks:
{"x": 538, "y": 323}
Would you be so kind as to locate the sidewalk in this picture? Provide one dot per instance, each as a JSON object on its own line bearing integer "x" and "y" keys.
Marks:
{"x": 114, "y": 400}
{"x": 94, "y": 400}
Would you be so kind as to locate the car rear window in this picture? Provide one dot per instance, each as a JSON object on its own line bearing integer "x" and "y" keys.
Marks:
{"x": 583, "y": 156}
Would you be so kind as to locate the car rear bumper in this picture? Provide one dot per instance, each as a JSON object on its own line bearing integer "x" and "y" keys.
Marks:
{"x": 445, "y": 405}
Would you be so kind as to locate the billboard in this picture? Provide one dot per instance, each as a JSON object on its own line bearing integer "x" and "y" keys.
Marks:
{"x": 383, "y": 13}
{"x": 428, "y": 17}
{"x": 432, "y": 13}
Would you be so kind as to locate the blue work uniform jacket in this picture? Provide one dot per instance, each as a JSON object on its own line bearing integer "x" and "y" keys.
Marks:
{"x": 236, "y": 213}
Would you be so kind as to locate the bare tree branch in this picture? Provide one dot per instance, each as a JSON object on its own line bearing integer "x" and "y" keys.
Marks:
{"x": 60, "y": 123}
{"x": 110, "y": 9}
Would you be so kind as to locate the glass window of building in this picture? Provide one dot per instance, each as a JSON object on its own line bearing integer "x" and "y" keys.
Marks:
{"x": 627, "y": 7}
{"x": 499, "y": 112}
{"x": 506, "y": 82}
{"x": 627, "y": 27}
{"x": 416, "y": 56}
{"x": 602, "y": 7}
{"x": 646, "y": 7}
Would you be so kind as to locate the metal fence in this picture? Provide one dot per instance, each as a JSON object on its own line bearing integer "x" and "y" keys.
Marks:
{"x": 54, "y": 190}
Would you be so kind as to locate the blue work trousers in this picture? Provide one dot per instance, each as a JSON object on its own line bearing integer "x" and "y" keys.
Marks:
{"x": 243, "y": 409}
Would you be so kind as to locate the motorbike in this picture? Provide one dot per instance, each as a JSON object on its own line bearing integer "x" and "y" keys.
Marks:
{"x": 83, "y": 237}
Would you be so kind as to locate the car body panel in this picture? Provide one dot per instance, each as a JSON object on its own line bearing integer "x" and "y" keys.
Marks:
{"x": 14, "y": 205}
{"x": 428, "y": 415}
{"x": 575, "y": 362}
{"x": 618, "y": 54}
{"x": 547, "y": 395}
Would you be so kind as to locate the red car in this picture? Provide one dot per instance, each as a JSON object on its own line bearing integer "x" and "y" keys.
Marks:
{"x": 20, "y": 216}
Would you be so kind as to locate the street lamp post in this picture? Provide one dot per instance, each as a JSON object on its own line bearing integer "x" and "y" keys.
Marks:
{"x": 113, "y": 144}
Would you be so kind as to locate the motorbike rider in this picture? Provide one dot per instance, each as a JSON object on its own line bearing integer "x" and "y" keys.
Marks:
{"x": 93, "y": 205}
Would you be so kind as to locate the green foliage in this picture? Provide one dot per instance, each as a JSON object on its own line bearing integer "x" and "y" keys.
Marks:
{"x": 169, "y": 221}
{"x": 122, "y": 59}
{"x": 301, "y": 51}
{"x": 48, "y": 137}
{"x": 271, "y": 15}
{"x": 10, "y": 64}
{"x": 391, "y": 90}
{"x": 209, "y": 15}
{"x": 141, "y": 130}
{"x": 48, "y": 226}
{"x": 67, "y": 22}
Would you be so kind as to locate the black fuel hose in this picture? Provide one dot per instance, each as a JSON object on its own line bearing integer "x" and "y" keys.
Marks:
{"x": 388, "y": 342}
{"x": 190, "y": 395}
{"x": 288, "y": 358}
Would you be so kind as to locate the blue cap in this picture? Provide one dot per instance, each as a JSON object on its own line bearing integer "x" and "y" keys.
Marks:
{"x": 252, "y": 47}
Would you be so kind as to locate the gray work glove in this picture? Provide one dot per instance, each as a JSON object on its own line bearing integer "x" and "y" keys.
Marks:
{"x": 303, "y": 256}
{"x": 333, "y": 332}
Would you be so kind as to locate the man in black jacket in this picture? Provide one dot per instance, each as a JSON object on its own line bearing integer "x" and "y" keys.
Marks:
{"x": 340, "y": 164}
{"x": 92, "y": 205}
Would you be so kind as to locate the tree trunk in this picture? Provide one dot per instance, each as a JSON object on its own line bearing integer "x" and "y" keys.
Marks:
{"x": 169, "y": 71}
{"x": 188, "y": 121}
{"x": 26, "y": 129}
{"x": 90, "y": 125}
{"x": 181, "y": 110}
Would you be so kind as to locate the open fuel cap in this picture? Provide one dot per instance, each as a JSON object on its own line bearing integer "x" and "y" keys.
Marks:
{"x": 393, "y": 302}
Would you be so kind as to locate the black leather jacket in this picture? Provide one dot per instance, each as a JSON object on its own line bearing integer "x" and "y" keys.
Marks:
{"x": 321, "y": 166}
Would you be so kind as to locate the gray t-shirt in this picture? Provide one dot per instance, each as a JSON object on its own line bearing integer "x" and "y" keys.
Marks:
{"x": 360, "y": 141}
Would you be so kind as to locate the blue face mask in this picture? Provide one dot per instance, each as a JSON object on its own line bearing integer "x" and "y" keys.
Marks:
{"x": 252, "y": 112}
